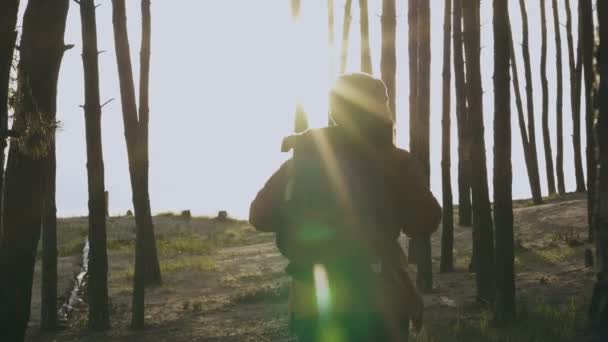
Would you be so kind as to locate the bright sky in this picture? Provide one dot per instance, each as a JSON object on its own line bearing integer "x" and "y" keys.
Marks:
{"x": 224, "y": 80}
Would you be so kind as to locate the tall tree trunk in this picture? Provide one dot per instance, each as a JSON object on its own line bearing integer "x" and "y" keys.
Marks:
{"x": 447, "y": 233}
{"x": 520, "y": 115}
{"x": 559, "y": 158}
{"x": 366, "y": 55}
{"x": 138, "y": 163}
{"x": 48, "y": 305}
{"x": 535, "y": 174}
{"x": 483, "y": 241}
{"x": 421, "y": 141}
{"x": 413, "y": 99}
{"x": 464, "y": 155}
{"x": 345, "y": 35}
{"x": 388, "y": 62}
{"x": 600, "y": 293}
{"x": 151, "y": 266}
{"x": 300, "y": 117}
{"x": 503, "y": 199}
{"x": 8, "y": 38}
{"x": 41, "y": 50}
{"x": 575, "y": 103}
{"x": 99, "y": 316}
{"x": 331, "y": 37}
{"x": 586, "y": 36}
{"x": 545, "y": 107}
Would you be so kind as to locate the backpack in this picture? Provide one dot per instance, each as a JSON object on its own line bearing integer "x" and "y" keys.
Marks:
{"x": 336, "y": 200}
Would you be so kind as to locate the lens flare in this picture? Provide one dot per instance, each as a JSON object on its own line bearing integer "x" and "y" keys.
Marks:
{"x": 322, "y": 290}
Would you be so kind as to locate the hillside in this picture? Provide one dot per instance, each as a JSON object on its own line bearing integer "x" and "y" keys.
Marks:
{"x": 223, "y": 281}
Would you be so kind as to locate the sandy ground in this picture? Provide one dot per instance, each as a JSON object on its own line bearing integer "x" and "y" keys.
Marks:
{"x": 242, "y": 296}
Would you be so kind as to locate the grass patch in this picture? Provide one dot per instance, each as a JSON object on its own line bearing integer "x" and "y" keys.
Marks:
{"x": 278, "y": 292}
{"x": 199, "y": 263}
{"x": 537, "y": 322}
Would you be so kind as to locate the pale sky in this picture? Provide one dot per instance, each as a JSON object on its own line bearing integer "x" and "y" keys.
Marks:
{"x": 224, "y": 80}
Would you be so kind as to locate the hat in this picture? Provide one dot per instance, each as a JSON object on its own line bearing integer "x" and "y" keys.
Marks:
{"x": 359, "y": 93}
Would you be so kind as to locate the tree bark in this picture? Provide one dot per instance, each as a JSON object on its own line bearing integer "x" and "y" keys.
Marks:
{"x": 575, "y": 103}
{"x": 366, "y": 55}
{"x": 48, "y": 305}
{"x": 532, "y": 150}
{"x": 345, "y": 35}
{"x": 545, "y": 104}
{"x": 447, "y": 232}
{"x": 600, "y": 292}
{"x": 483, "y": 241}
{"x": 586, "y": 36}
{"x": 520, "y": 116}
{"x": 464, "y": 155}
{"x": 99, "y": 316}
{"x": 388, "y": 62}
{"x": 503, "y": 197}
{"x": 41, "y": 50}
{"x": 8, "y": 39}
{"x": 559, "y": 158}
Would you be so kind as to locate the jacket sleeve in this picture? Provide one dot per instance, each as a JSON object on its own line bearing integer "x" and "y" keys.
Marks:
{"x": 419, "y": 210}
{"x": 265, "y": 211}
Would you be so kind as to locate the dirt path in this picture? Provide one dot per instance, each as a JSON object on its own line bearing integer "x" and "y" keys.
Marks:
{"x": 243, "y": 296}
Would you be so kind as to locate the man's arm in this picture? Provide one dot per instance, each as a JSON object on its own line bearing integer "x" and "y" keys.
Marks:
{"x": 264, "y": 213}
{"x": 421, "y": 213}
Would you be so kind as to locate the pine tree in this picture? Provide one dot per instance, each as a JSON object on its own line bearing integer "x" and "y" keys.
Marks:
{"x": 483, "y": 241}
{"x": 545, "y": 107}
{"x": 366, "y": 56}
{"x": 345, "y": 35}
{"x": 447, "y": 233}
{"x": 464, "y": 155}
{"x": 503, "y": 199}
{"x": 532, "y": 150}
{"x": 29, "y": 160}
{"x": 99, "y": 315}
{"x": 575, "y": 101}
{"x": 559, "y": 158}
{"x": 586, "y": 37}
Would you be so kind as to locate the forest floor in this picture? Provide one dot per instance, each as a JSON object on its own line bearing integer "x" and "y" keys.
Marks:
{"x": 223, "y": 281}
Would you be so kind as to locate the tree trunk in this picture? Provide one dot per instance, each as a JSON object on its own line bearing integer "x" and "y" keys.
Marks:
{"x": 388, "y": 63}
{"x": 520, "y": 115}
{"x": 545, "y": 107}
{"x": 447, "y": 232}
{"x": 483, "y": 241}
{"x": 8, "y": 38}
{"x": 41, "y": 50}
{"x": 366, "y": 55}
{"x": 586, "y": 36}
{"x": 503, "y": 199}
{"x": 345, "y": 35}
{"x": 600, "y": 293}
{"x": 413, "y": 100}
{"x": 331, "y": 37}
{"x": 147, "y": 270}
{"x": 48, "y": 305}
{"x": 559, "y": 158}
{"x": 575, "y": 103}
{"x": 151, "y": 266}
{"x": 464, "y": 155}
{"x": 99, "y": 316}
{"x": 300, "y": 117}
{"x": 535, "y": 174}
{"x": 421, "y": 141}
